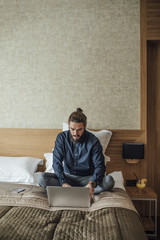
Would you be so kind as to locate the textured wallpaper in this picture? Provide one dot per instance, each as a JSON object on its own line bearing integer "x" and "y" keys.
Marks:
{"x": 57, "y": 55}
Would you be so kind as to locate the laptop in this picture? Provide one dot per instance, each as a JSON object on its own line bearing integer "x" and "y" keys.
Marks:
{"x": 77, "y": 197}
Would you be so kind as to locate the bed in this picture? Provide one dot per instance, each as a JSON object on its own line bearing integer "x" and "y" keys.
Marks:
{"x": 27, "y": 215}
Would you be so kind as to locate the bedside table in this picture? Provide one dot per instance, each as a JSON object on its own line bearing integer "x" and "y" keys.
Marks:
{"x": 147, "y": 194}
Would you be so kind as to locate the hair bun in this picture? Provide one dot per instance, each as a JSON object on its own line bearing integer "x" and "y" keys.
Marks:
{"x": 79, "y": 110}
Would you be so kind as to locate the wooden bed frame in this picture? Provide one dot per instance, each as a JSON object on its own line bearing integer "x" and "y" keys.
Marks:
{"x": 36, "y": 142}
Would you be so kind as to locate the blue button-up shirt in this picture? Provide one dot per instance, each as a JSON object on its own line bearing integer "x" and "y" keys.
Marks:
{"x": 84, "y": 158}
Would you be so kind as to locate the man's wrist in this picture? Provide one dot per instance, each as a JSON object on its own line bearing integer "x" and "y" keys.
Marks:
{"x": 93, "y": 184}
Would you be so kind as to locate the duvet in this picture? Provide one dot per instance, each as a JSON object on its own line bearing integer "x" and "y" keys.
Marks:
{"x": 27, "y": 216}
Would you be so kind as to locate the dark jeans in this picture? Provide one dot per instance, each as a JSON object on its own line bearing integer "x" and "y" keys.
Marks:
{"x": 50, "y": 179}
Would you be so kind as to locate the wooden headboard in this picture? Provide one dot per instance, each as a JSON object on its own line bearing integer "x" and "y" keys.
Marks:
{"x": 19, "y": 142}
{"x": 36, "y": 142}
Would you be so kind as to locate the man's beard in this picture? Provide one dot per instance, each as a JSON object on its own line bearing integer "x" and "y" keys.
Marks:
{"x": 77, "y": 140}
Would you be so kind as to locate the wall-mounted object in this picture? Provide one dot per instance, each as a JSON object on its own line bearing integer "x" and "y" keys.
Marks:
{"x": 132, "y": 152}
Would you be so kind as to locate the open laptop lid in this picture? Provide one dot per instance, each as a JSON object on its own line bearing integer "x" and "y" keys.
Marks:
{"x": 68, "y": 196}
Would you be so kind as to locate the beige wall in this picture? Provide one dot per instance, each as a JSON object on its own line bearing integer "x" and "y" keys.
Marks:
{"x": 57, "y": 55}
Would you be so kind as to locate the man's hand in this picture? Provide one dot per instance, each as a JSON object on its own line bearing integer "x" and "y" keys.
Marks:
{"x": 66, "y": 185}
{"x": 91, "y": 189}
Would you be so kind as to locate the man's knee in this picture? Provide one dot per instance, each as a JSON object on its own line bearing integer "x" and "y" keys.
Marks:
{"x": 111, "y": 180}
{"x": 108, "y": 181}
{"x": 47, "y": 179}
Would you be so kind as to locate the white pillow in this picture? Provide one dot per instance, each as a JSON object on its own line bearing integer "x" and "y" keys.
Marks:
{"x": 49, "y": 162}
{"x": 118, "y": 178}
{"x": 18, "y": 169}
{"x": 65, "y": 126}
{"x": 104, "y": 137}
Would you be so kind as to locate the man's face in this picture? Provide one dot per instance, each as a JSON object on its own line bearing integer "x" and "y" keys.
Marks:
{"x": 76, "y": 130}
